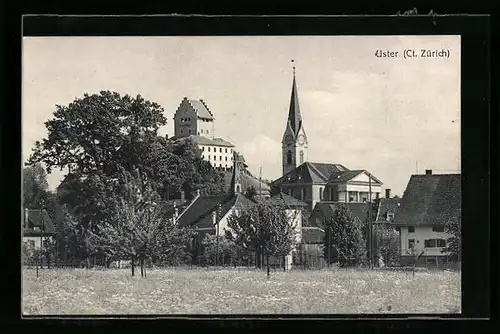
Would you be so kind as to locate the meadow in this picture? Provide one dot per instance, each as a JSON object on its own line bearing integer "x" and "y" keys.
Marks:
{"x": 243, "y": 291}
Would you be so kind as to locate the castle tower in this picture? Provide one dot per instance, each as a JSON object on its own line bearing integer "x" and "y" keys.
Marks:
{"x": 294, "y": 143}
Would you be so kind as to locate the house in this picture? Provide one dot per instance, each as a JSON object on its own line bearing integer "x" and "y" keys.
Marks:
{"x": 37, "y": 226}
{"x": 245, "y": 178}
{"x": 193, "y": 119}
{"x": 428, "y": 202}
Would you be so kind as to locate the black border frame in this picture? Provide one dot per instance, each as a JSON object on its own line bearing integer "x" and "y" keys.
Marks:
{"x": 475, "y": 84}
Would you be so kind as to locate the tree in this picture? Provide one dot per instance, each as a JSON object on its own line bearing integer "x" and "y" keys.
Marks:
{"x": 266, "y": 229}
{"x": 99, "y": 132}
{"x": 250, "y": 193}
{"x": 227, "y": 251}
{"x": 454, "y": 242}
{"x": 343, "y": 239}
{"x": 387, "y": 244}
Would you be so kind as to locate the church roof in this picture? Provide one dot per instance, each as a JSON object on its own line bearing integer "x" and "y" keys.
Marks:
{"x": 313, "y": 172}
{"x": 294, "y": 116}
{"x": 201, "y": 109}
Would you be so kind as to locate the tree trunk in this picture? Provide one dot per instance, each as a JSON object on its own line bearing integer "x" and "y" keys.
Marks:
{"x": 133, "y": 265}
{"x": 268, "y": 267}
{"x": 284, "y": 263}
{"x": 142, "y": 267}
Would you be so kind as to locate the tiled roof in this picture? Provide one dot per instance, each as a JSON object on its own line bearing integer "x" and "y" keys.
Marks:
{"x": 312, "y": 172}
{"x": 358, "y": 210}
{"x": 201, "y": 140}
{"x": 247, "y": 181}
{"x": 285, "y": 200}
{"x": 387, "y": 205}
{"x": 200, "y": 213}
{"x": 34, "y": 219}
{"x": 429, "y": 199}
{"x": 201, "y": 109}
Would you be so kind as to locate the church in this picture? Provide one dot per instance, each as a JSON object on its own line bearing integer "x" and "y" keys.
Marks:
{"x": 314, "y": 182}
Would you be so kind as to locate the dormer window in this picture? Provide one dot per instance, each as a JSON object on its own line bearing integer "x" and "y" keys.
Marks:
{"x": 390, "y": 216}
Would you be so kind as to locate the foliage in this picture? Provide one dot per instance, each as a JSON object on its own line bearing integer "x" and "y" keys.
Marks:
{"x": 266, "y": 229}
{"x": 387, "y": 244}
{"x": 344, "y": 237}
{"x": 228, "y": 250}
{"x": 250, "y": 193}
{"x": 454, "y": 243}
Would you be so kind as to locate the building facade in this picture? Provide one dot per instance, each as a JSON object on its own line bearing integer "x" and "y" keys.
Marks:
{"x": 428, "y": 202}
{"x": 194, "y": 120}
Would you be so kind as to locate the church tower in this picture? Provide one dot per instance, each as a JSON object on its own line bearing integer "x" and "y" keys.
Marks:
{"x": 294, "y": 143}
{"x": 236, "y": 177}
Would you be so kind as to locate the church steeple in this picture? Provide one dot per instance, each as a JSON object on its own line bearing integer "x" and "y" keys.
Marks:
{"x": 294, "y": 116}
{"x": 236, "y": 177}
{"x": 294, "y": 144}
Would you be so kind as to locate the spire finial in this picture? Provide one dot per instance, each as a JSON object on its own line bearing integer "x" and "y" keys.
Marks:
{"x": 293, "y": 62}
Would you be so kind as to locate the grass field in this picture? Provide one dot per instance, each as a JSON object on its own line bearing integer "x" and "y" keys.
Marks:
{"x": 209, "y": 291}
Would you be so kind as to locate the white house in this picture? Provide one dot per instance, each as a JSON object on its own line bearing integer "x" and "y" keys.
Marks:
{"x": 37, "y": 227}
{"x": 428, "y": 202}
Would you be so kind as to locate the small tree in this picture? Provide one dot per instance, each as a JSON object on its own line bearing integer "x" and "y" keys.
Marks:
{"x": 228, "y": 250}
{"x": 250, "y": 193}
{"x": 454, "y": 242}
{"x": 387, "y": 244}
{"x": 344, "y": 237}
{"x": 268, "y": 230}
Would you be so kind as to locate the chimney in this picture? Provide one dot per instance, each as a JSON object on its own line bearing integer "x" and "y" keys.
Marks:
{"x": 428, "y": 172}
{"x": 197, "y": 192}
{"x": 183, "y": 195}
{"x": 388, "y": 193}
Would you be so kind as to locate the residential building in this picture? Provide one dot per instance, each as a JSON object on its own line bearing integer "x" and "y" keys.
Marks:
{"x": 37, "y": 227}
{"x": 428, "y": 202}
{"x": 217, "y": 151}
{"x": 387, "y": 208}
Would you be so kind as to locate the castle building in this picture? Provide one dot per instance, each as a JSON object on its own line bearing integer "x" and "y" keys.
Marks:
{"x": 314, "y": 182}
{"x": 194, "y": 120}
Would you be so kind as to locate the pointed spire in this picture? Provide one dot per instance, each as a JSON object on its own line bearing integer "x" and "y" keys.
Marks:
{"x": 236, "y": 177}
{"x": 294, "y": 116}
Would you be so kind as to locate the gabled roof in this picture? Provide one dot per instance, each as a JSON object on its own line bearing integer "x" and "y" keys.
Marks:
{"x": 312, "y": 172}
{"x": 201, "y": 109}
{"x": 429, "y": 200}
{"x": 358, "y": 210}
{"x": 37, "y": 218}
{"x": 201, "y": 140}
{"x": 247, "y": 181}
{"x": 283, "y": 199}
{"x": 200, "y": 213}
{"x": 385, "y": 206}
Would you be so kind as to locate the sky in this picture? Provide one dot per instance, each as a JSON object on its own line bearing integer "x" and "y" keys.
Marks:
{"x": 391, "y": 116}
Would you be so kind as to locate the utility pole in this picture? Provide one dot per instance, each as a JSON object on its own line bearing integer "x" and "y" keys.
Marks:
{"x": 260, "y": 181}
{"x": 217, "y": 217}
{"x": 370, "y": 220}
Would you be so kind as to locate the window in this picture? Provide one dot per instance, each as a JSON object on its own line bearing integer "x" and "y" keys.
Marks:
{"x": 220, "y": 157}
{"x": 226, "y": 151}
{"x": 434, "y": 243}
{"x": 189, "y": 131}
{"x": 209, "y": 157}
{"x": 377, "y": 195}
{"x": 390, "y": 217}
{"x": 209, "y": 149}
{"x": 231, "y": 150}
{"x": 411, "y": 229}
{"x": 203, "y": 148}
{"x": 398, "y": 229}
{"x": 411, "y": 243}
{"x": 225, "y": 158}
{"x": 198, "y": 133}
{"x": 302, "y": 193}
{"x": 289, "y": 157}
{"x": 182, "y": 132}
{"x": 201, "y": 130}
{"x": 301, "y": 156}
{"x": 215, "y": 158}
{"x": 291, "y": 191}
{"x": 438, "y": 228}
{"x": 320, "y": 194}
{"x": 220, "y": 150}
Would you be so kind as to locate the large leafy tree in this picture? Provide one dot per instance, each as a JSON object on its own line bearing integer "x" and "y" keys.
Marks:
{"x": 387, "y": 245}
{"x": 454, "y": 242}
{"x": 344, "y": 241}
{"x": 99, "y": 132}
